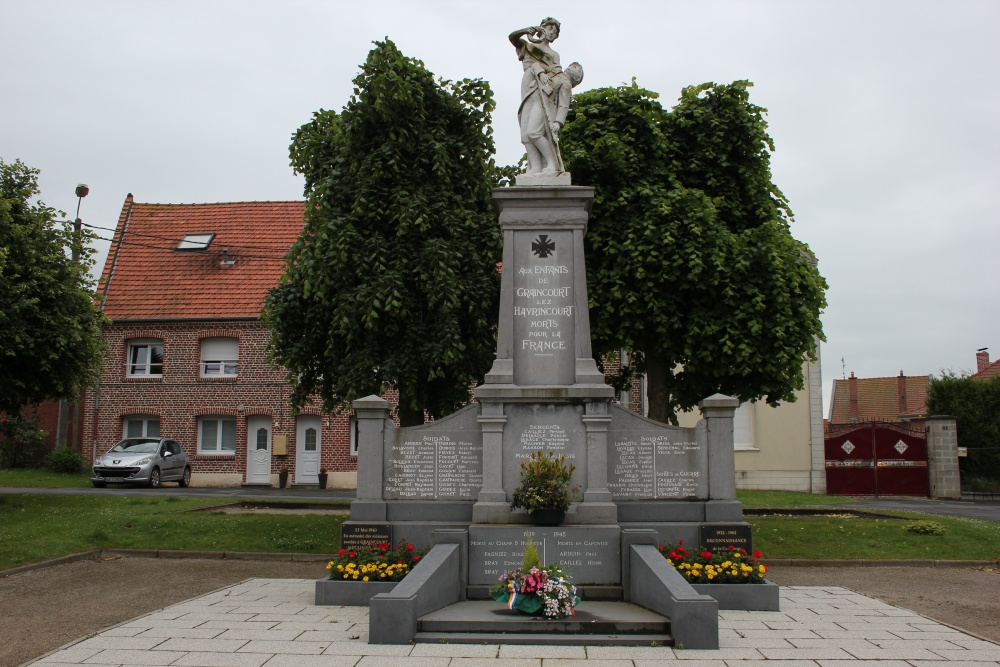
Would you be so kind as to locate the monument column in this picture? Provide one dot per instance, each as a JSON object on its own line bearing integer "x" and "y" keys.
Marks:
{"x": 544, "y": 392}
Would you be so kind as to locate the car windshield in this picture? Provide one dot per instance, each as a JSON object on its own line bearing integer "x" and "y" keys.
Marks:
{"x": 137, "y": 446}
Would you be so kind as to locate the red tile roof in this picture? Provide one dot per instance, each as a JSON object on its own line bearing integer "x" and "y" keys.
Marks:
{"x": 990, "y": 372}
{"x": 878, "y": 398}
{"x": 151, "y": 280}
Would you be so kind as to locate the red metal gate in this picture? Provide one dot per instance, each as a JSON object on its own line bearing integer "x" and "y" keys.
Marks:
{"x": 876, "y": 458}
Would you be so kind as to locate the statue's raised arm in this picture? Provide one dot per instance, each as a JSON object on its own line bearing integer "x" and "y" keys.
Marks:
{"x": 546, "y": 91}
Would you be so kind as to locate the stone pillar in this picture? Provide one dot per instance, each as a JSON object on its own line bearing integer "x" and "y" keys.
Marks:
{"x": 597, "y": 506}
{"x": 942, "y": 457}
{"x": 817, "y": 472}
{"x": 718, "y": 411}
{"x": 372, "y": 413}
{"x": 492, "y": 505}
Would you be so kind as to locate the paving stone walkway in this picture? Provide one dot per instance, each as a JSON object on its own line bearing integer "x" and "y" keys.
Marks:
{"x": 273, "y": 622}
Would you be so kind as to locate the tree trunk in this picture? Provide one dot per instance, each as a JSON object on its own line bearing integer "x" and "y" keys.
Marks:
{"x": 659, "y": 373}
{"x": 409, "y": 416}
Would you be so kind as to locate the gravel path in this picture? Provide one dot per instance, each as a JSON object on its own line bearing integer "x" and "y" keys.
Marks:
{"x": 43, "y": 609}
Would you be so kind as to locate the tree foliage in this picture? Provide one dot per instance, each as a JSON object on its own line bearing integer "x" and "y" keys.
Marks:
{"x": 394, "y": 279}
{"x": 975, "y": 404}
{"x": 50, "y": 329}
{"x": 691, "y": 264}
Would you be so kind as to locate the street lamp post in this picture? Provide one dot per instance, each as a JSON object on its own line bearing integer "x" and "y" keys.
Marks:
{"x": 64, "y": 422}
{"x": 81, "y": 191}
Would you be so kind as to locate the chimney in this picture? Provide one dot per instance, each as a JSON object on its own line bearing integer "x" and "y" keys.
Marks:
{"x": 982, "y": 358}
{"x": 902, "y": 393}
{"x": 852, "y": 383}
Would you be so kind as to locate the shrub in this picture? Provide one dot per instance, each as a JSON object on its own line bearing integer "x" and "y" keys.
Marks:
{"x": 927, "y": 528}
{"x": 22, "y": 444}
{"x": 64, "y": 459}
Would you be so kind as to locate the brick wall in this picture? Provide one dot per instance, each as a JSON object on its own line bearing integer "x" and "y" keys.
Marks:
{"x": 181, "y": 395}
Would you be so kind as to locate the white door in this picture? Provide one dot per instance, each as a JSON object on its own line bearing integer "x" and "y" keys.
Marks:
{"x": 308, "y": 445}
{"x": 258, "y": 450}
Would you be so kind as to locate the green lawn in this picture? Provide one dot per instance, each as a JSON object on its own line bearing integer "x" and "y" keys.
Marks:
{"x": 30, "y": 478}
{"x": 843, "y": 536}
{"x": 37, "y": 527}
{"x": 788, "y": 499}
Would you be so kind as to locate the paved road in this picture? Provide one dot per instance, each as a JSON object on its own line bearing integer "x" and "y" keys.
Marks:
{"x": 223, "y": 494}
{"x": 988, "y": 510}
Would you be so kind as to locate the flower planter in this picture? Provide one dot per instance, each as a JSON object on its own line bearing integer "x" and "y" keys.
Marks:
{"x": 322, "y": 480}
{"x": 350, "y": 593}
{"x": 547, "y": 517}
{"x": 744, "y": 597}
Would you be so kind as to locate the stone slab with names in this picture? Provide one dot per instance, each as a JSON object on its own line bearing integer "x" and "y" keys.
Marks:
{"x": 648, "y": 461}
{"x": 354, "y": 535}
{"x": 590, "y": 553}
{"x": 538, "y": 427}
{"x": 719, "y": 537}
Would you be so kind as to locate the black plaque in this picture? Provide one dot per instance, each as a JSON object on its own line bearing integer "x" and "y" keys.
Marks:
{"x": 355, "y": 535}
{"x": 719, "y": 537}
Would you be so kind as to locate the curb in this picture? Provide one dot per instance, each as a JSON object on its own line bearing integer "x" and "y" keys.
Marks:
{"x": 168, "y": 553}
{"x": 802, "y": 562}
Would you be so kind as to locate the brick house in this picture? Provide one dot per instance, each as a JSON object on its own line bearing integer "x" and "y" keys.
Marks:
{"x": 184, "y": 286}
{"x": 984, "y": 369}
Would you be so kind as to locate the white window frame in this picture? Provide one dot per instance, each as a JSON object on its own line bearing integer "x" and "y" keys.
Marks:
{"x": 743, "y": 439}
{"x": 217, "y": 446}
{"x": 354, "y": 436}
{"x": 132, "y": 369}
{"x": 146, "y": 421}
{"x": 218, "y": 358}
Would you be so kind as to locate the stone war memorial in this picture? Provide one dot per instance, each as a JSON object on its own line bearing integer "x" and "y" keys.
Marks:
{"x": 449, "y": 484}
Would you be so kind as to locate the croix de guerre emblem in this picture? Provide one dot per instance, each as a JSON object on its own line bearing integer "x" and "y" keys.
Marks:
{"x": 543, "y": 247}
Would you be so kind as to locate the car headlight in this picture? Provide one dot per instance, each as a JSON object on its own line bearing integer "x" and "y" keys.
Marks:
{"x": 142, "y": 462}
{"x": 98, "y": 462}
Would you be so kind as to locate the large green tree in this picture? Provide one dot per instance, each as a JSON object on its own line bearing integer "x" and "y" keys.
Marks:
{"x": 394, "y": 281}
{"x": 975, "y": 404}
{"x": 691, "y": 264}
{"x": 50, "y": 329}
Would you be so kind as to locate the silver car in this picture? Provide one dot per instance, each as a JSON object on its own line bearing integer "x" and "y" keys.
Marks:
{"x": 148, "y": 461}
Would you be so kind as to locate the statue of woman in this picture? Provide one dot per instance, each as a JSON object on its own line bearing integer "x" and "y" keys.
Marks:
{"x": 546, "y": 91}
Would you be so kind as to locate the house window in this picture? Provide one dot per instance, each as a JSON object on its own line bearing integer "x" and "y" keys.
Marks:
{"x": 261, "y": 439}
{"x": 219, "y": 356}
{"x": 743, "y": 427}
{"x": 145, "y": 358}
{"x": 310, "y": 443}
{"x": 141, "y": 427}
{"x": 354, "y": 436}
{"x": 216, "y": 435}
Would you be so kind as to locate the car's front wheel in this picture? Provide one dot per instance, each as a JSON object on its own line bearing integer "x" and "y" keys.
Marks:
{"x": 154, "y": 478}
{"x": 185, "y": 478}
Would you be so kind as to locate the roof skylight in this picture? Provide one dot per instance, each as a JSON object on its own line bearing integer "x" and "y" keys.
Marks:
{"x": 195, "y": 241}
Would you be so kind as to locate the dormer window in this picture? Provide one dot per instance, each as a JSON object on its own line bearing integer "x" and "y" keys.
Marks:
{"x": 195, "y": 241}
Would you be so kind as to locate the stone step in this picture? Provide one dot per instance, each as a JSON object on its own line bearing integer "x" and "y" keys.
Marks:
{"x": 597, "y": 623}
{"x": 585, "y": 592}
{"x": 534, "y": 639}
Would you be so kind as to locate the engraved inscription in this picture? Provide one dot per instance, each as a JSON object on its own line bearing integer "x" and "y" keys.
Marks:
{"x": 435, "y": 467}
{"x": 645, "y": 466}
{"x": 543, "y": 438}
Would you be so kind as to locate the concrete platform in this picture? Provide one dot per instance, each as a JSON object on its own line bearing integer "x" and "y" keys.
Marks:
{"x": 274, "y": 622}
{"x": 595, "y": 624}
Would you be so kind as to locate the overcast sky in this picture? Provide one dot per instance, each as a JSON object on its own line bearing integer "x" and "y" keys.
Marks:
{"x": 885, "y": 116}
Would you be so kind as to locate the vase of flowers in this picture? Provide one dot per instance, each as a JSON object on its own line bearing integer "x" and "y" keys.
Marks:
{"x": 537, "y": 590}
{"x": 545, "y": 488}
{"x": 322, "y": 477}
